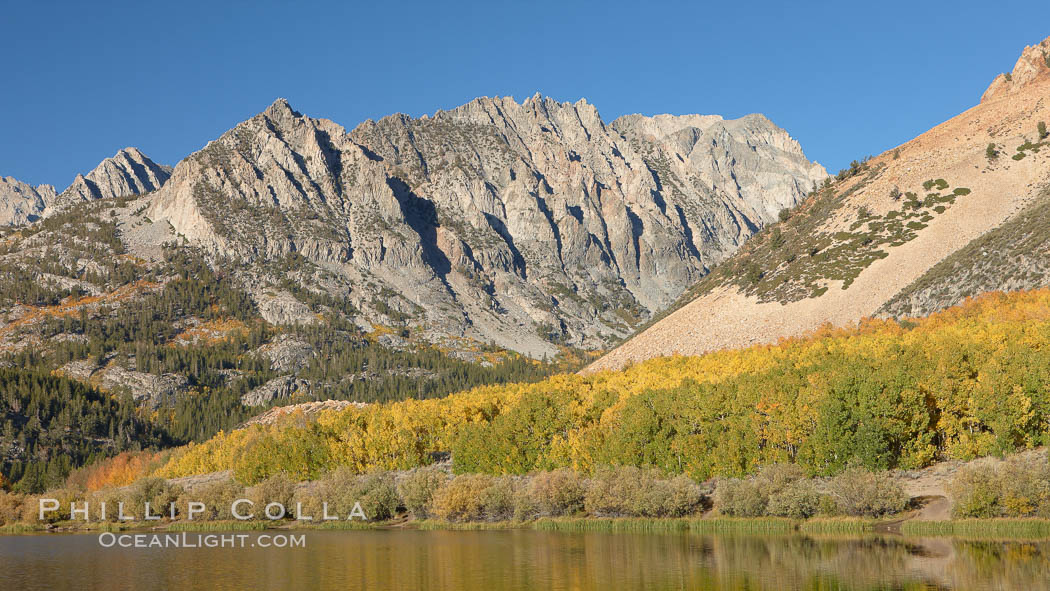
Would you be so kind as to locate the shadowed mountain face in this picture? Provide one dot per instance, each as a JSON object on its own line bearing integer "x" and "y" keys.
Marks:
{"x": 960, "y": 210}
{"x": 526, "y": 224}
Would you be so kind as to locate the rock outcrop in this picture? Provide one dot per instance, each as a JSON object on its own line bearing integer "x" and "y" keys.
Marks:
{"x": 525, "y": 224}
{"x": 280, "y": 388}
{"x": 128, "y": 172}
{"x": 21, "y": 203}
{"x": 1031, "y": 68}
{"x": 287, "y": 353}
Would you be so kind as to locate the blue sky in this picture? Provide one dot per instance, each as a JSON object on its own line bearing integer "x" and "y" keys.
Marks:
{"x": 83, "y": 80}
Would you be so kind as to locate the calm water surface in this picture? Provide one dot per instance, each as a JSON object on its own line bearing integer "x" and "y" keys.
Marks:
{"x": 520, "y": 560}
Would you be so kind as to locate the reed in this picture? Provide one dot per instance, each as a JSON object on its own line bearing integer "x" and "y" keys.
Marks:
{"x": 439, "y": 524}
{"x": 344, "y": 525}
{"x": 980, "y": 528}
{"x": 748, "y": 525}
{"x": 837, "y": 525}
{"x": 219, "y": 526}
{"x": 760, "y": 525}
{"x": 621, "y": 524}
{"x": 21, "y": 528}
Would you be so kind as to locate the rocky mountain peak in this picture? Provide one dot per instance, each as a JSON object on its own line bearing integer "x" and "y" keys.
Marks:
{"x": 128, "y": 172}
{"x": 525, "y": 224}
{"x": 21, "y": 203}
{"x": 1033, "y": 66}
{"x": 281, "y": 110}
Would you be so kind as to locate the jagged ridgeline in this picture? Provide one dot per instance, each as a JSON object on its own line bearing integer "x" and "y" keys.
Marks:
{"x": 530, "y": 225}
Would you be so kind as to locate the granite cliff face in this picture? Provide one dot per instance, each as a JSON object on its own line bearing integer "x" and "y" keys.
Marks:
{"x": 21, "y": 203}
{"x": 523, "y": 224}
{"x": 129, "y": 172}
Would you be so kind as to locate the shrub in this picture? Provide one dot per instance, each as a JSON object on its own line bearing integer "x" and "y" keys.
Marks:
{"x": 961, "y": 191}
{"x": 377, "y": 494}
{"x": 750, "y": 497}
{"x": 1018, "y": 487}
{"x": 784, "y": 215}
{"x": 417, "y": 489}
{"x": 612, "y": 492}
{"x": 460, "y": 499}
{"x": 677, "y": 497}
{"x": 557, "y": 493}
{"x": 500, "y": 500}
{"x": 859, "y": 492}
{"x": 64, "y": 496}
{"x": 341, "y": 489}
{"x": 737, "y": 497}
{"x": 524, "y": 506}
{"x": 628, "y": 491}
{"x": 753, "y": 274}
{"x": 10, "y": 507}
{"x": 1041, "y": 129}
{"x": 1025, "y": 487}
{"x": 975, "y": 492}
{"x": 775, "y": 477}
{"x": 158, "y": 492}
{"x": 991, "y": 152}
{"x": 279, "y": 488}
{"x": 776, "y": 238}
{"x": 217, "y": 497}
{"x": 799, "y": 500}
{"x": 895, "y": 193}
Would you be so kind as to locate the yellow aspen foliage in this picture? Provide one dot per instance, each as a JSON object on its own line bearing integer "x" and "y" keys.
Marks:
{"x": 971, "y": 380}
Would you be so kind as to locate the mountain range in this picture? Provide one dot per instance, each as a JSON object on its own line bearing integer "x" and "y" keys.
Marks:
{"x": 528, "y": 225}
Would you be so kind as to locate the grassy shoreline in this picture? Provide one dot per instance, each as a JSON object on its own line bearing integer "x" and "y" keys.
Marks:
{"x": 1000, "y": 528}
{"x": 992, "y": 528}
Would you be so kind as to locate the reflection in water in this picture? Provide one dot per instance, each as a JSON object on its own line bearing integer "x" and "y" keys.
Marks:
{"x": 520, "y": 560}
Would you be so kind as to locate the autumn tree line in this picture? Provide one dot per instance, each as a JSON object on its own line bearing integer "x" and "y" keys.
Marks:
{"x": 970, "y": 381}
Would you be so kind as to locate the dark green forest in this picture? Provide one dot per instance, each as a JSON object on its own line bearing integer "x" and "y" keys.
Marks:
{"x": 51, "y": 425}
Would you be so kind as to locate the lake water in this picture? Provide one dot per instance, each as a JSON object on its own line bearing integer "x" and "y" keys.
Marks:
{"x": 525, "y": 559}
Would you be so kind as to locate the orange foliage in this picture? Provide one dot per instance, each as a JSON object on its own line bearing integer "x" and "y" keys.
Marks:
{"x": 120, "y": 470}
{"x": 71, "y": 306}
